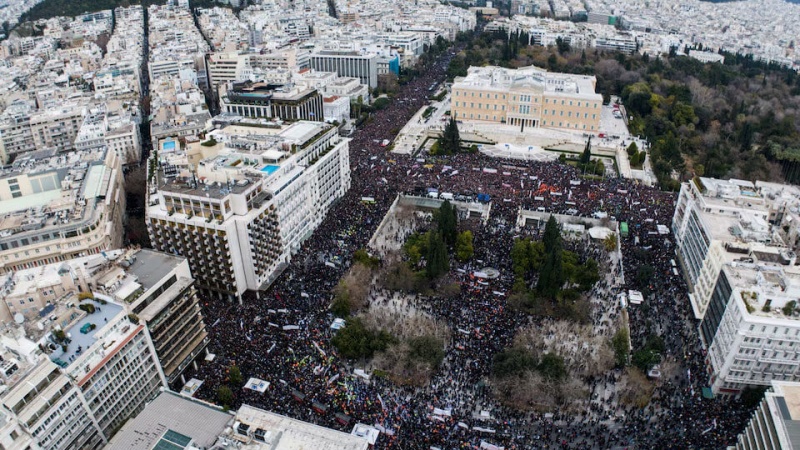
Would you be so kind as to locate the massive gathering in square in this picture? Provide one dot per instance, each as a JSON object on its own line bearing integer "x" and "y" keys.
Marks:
{"x": 433, "y": 225}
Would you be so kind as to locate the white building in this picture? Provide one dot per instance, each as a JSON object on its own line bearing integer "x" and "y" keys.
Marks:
{"x": 718, "y": 221}
{"x": 363, "y": 66}
{"x": 752, "y": 325}
{"x": 92, "y": 363}
{"x": 706, "y": 57}
{"x": 776, "y": 421}
{"x": 336, "y": 109}
{"x": 55, "y": 207}
{"x": 240, "y": 204}
{"x": 257, "y": 429}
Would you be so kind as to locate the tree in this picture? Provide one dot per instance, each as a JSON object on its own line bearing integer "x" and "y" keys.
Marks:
{"x": 633, "y": 149}
{"x": 552, "y": 367}
{"x": 428, "y": 349}
{"x": 586, "y": 156}
{"x": 355, "y": 341}
{"x": 225, "y": 396}
{"x": 340, "y": 307}
{"x": 450, "y": 140}
{"x": 437, "y": 260}
{"x": 552, "y": 236}
{"x": 513, "y": 361}
{"x": 361, "y": 256}
{"x": 621, "y": 345}
{"x": 446, "y": 222}
{"x": 551, "y": 276}
{"x": 235, "y": 375}
{"x": 464, "y": 247}
{"x": 610, "y": 242}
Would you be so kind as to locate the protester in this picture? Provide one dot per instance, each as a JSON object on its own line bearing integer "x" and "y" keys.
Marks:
{"x": 251, "y": 335}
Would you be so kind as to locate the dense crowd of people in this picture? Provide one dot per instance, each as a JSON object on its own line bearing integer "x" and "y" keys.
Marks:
{"x": 308, "y": 381}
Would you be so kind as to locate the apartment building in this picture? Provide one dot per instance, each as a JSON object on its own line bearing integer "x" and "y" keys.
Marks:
{"x": 775, "y": 422}
{"x": 56, "y": 207}
{"x": 95, "y": 360}
{"x": 264, "y": 100}
{"x": 751, "y": 329}
{"x": 240, "y": 205}
{"x": 625, "y": 44}
{"x": 116, "y": 367}
{"x": 228, "y": 67}
{"x": 157, "y": 289}
{"x": 718, "y": 221}
{"x": 15, "y": 130}
{"x": 47, "y": 406}
{"x": 348, "y": 64}
{"x": 161, "y": 293}
{"x": 90, "y": 373}
{"x": 57, "y": 127}
{"x": 527, "y": 97}
{"x": 117, "y": 130}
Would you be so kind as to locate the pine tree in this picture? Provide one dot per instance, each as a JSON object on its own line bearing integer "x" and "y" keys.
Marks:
{"x": 447, "y": 221}
{"x": 586, "y": 156}
{"x": 438, "y": 261}
{"x": 551, "y": 277}
{"x": 552, "y": 236}
{"x": 450, "y": 142}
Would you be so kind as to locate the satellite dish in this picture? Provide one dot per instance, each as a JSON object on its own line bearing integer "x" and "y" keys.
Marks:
{"x": 19, "y": 318}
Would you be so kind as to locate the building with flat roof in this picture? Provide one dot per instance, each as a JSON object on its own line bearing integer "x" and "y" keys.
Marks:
{"x": 719, "y": 221}
{"x": 241, "y": 203}
{"x": 172, "y": 421}
{"x": 752, "y": 325}
{"x": 257, "y": 429}
{"x": 706, "y": 57}
{"x": 270, "y": 101}
{"x": 164, "y": 298}
{"x": 527, "y": 97}
{"x": 58, "y": 206}
{"x": 775, "y": 424}
{"x": 348, "y": 63}
{"x": 121, "y": 326}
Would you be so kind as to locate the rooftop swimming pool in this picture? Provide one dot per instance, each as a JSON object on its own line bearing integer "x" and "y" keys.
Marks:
{"x": 169, "y": 145}
{"x": 270, "y": 169}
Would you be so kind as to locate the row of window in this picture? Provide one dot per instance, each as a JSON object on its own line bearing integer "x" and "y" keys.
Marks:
{"x": 526, "y": 109}
{"x": 552, "y": 123}
{"x": 527, "y": 98}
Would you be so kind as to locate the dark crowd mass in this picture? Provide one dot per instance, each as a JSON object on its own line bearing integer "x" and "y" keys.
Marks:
{"x": 308, "y": 381}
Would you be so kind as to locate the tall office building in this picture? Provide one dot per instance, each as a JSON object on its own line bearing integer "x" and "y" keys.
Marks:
{"x": 527, "y": 97}
{"x": 240, "y": 204}
{"x": 348, "y": 64}
{"x": 752, "y": 325}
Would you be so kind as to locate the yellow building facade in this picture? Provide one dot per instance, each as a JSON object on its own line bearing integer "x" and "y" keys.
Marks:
{"x": 527, "y": 97}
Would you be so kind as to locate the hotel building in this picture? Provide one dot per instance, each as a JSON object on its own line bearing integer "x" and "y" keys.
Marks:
{"x": 238, "y": 205}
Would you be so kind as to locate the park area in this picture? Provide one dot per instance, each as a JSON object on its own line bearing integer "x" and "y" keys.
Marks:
{"x": 486, "y": 313}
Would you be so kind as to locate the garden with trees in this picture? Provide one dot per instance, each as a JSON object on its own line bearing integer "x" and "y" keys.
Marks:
{"x": 405, "y": 348}
{"x": 551, "y": 281}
